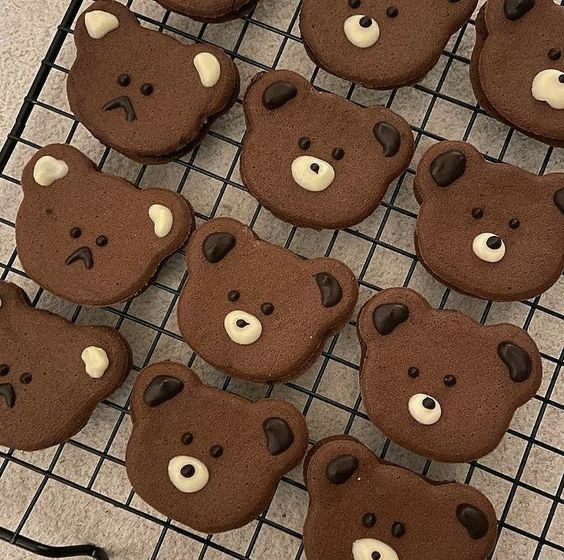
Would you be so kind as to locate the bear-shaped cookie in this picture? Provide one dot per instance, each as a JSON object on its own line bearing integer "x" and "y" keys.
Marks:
{"x": 207, "y": 458}
{"x": 316, "y": 159}
{"x": 439, "y": 383}
{"x": 258, "y": 311}
{"x": 92, "y": 238}
{"x": 362, "y": 508}
{"x": 380, "y": 44}
{"x": 210, "y": 11}
{"x": 523, "y": 87}
{"x": 144, "y": 93}
{"x": 53, "y": 373}
{"x": 490, "y": 230}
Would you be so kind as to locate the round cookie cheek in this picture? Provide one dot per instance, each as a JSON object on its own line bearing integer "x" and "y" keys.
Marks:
{"x": 362, "y": 31}
{"x": 488, "y": 247}
{"x": 424, "y": 409}
{"x": 548, "y": 86}
{"x": 242, "y": 327}
{"x": 188, "y": 474}
{"x": 95, "y": 360}
{"x": 312, "y": 174}
{"x": 369, "y": 549}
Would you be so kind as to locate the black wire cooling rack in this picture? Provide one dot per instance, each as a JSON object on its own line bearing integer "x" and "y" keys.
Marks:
{"x": 544, "y": 542}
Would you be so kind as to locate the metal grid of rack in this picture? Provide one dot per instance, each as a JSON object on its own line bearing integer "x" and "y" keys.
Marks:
{"x": 328, "y": 392}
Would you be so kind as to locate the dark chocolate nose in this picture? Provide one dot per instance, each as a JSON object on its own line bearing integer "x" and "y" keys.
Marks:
{"x": 376, "y": 555}
{"x": 123, "y": 102}
{"x": 314, "y": 167}
{"x": 429, "y": 403}
{"x": 188, "y": 471}
{"x": 561, "y": 78}
{"x": 493, "y": 242}
{"x": 365, "y": 22}
{"x": 241, "y": 323}
{"x": 7, "y": 391}
{"x": 83, "y": 254}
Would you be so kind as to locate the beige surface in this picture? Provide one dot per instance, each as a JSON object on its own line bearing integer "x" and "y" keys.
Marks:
{"x": 59, "y": 513}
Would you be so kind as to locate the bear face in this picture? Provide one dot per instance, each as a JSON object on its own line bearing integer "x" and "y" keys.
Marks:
{"x": 380, "y": 44}
{"x": 522, "y": 87}
{"x": 92, "y": 238}
{"x": 255, "y": 310}
{"x": 144, "y": 93}
{"x": 207, "y": 458}
{"x": 53, "y": 373}
{"x": 316, "y": 159}
{"x": 439, "y": 383}
{"x": 362, "y": 508}
{"x": 490, "y": 230}
{"x": 210, "y": 11}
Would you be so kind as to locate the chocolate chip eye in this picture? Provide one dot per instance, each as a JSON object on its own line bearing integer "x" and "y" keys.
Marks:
{"x": 413, "y": 372}
{"x": 216, "y": 451}
{"x": 187, "y": 438}
{"x": 554, "y": 54}
{"x": 392, "y": 12}
{"x": 369, "y": 520}
{"x": 124, "y": 80}
{"x": 514, "y": 223}
{"x": 354, "y": 4}
{"x": 25, "y": 378}
{"x": 338, "y": 153}
{"x": 101, "y": 241}
{"x": 233, "y": 295}
{"x": 75, "y": 232}
{"x": 398, "y": 530}
{"x": 267, "y": 308}
{"x": 477, "y": 213}
{"x": 4, "y": 370}
{"x": 304, "y": 143}
{"x": 147, "y": 89}
{"x": 449, "y": 380}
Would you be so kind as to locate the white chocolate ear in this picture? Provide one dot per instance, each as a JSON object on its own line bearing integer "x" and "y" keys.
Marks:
{"x": 95, "y": 360}
{"x": 47, "y": 170}
{"x": 162, "y": 218}
{"x": 208, "y": 69}
{"x": 99, "y": 23}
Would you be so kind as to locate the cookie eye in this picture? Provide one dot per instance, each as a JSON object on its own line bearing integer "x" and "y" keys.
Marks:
{"x": 449, "y": 380}
{"x": 25, "y": 378}
{"x": 392, "y": 12}
{"x": 398, "y": 529}
{"x": 216, "y": 451}
{"x": 354, "y": 4}
{"x": 369, "y": 520}
{"x": 304, "y": 143}
{"x": 477, "y": 213}
{"x": 413, "y": 372}
{"x": 233, "y": 295}
{"x": 101, "y": 241}
{"x": 554, "y": 54}
{"x": 4, "y": 370}
{"x": 187, "y": 438}
{"x": 147, "y": 89}
{"x": 338, "y": 153}
{"x": 124, "y": 80}
{"x": 514, "y": 223}
{"x": 267, "y": 308}
{"x": 75, "y": 232}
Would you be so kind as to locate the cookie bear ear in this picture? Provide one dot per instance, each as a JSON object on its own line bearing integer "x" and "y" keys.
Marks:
{"x": 516, "y": 9}
{"x": 506, "y": 14}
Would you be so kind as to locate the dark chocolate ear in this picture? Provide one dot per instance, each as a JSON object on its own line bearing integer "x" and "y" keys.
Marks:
{"x": 448, "y": 167}
{"x": 388, "y": 316}
{"x": 279, "y": 436}
{"x": 559, "y": 199}
{"x": 340, "y": 469}
{"x": 515, "y": 9}
{"x": 278, "y": 94}
{"x": 331, "y": 291}
{"x": 388, "y": 137}
{"x": 518, "y": 362}
{"x": 216, "y": 246}
{"x": 473, "y": 520}
{"x": 161, "y": 389}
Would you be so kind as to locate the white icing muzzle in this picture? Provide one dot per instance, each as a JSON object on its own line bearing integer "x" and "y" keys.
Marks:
{"x": 242, "y": 327}
{"x": 188, "y": 474}
{"x": 312, "y": 174}
{"x": 362, "y": 31}
{"x": 369, "y": 549}
{"x": 488, "y": 247}
{"x": 95, "y": 360}
{"x": 99, "y": 23}
{"x": 47, "y": 170}
{"x": 425, "y": 409}
{"x": 162, "y": 219}
{"x": 548, "y": 86}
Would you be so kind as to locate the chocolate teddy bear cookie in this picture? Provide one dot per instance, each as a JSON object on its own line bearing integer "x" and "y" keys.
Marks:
{"x": 53, "y": 373}
{"x": 517, "y": 67}
{"x": 439, "y": 383}
{"x": 316, "y": 159}
{"x": 380, "y": 44}
{"x": 204, "y": 457}
{"x": 490, "y": 230}
{"x": 258, "y": 311}
{"x": 141, "y": 92}
{"x": 362, "y": 508}
{"x": 210, "y": 11}
{"x": 92, "y": 238}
